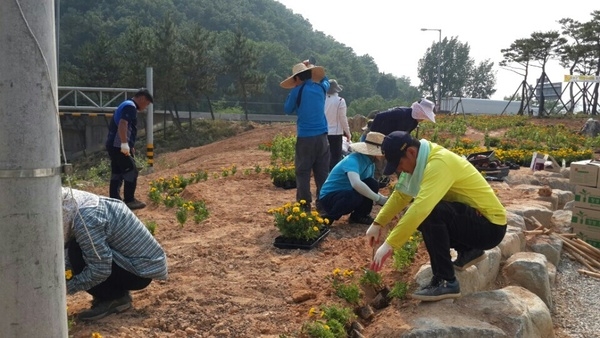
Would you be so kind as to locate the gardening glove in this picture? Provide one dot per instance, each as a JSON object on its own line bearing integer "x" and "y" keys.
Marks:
{"x": 382, "y": 199}
{"x": 125, "y": 148}
{"x": 374, "y": 234}
{"x": 383, "y": 253}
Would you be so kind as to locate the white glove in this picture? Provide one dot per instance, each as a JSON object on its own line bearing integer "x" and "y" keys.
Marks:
{"x": 125, "y": 148}
{"x": 374, "y": 235}
{"x": 383, "y": 253}
{"x": 382, "y": 199}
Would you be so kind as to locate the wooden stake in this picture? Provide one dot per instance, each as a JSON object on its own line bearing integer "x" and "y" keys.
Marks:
{"x": 589, "y": 273}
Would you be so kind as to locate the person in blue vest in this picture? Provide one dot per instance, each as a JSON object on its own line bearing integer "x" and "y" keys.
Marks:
{"x": 308, "y": 85}
{"x": 351, "y": 187}
{"x": 122, "y": 131}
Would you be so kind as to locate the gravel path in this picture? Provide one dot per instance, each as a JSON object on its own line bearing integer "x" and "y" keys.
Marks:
{"x": 576, "y": 302}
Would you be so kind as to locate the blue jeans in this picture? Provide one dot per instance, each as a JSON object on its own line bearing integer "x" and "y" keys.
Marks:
{"x": 456, "y": 225}
{"x": 339, "y": 203}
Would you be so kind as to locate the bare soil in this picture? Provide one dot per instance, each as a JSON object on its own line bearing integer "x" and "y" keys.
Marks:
{"x": 226, "y": 279}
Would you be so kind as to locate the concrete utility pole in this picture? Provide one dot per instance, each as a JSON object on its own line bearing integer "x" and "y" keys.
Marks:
{"x": 32, "y": 277}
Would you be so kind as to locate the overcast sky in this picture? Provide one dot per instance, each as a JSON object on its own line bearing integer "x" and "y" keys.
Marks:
{"x": 390, "y": 31}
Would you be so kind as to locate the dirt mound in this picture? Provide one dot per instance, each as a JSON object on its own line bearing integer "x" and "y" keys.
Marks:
{"x": 225, "y": 277}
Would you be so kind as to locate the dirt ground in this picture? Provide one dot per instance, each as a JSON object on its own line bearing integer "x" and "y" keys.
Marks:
{"x": 226, "y": 279}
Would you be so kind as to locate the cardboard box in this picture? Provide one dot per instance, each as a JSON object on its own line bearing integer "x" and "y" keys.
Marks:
{"x": 587, "y": 197}
{"x": 585, "y": 173}
{"x": 586, "y": 225}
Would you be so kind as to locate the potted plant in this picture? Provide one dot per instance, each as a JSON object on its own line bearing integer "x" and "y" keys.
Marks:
{"x": 299, "y": 229}
{"x": 283, "y": 176}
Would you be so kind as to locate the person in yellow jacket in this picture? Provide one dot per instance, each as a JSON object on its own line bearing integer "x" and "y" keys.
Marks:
{"x": 451, "y": 204}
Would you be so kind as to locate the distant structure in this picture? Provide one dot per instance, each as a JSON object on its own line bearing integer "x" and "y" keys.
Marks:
{"x": 463, "y": 105}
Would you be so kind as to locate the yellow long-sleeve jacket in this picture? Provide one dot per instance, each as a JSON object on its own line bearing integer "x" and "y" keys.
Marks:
{"x": 446, "y": 177}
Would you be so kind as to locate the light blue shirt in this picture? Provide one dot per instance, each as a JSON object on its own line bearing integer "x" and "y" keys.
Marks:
{"x": 338, "y": 177}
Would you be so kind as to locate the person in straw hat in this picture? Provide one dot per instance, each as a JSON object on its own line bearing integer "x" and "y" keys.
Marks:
{"x": 350, "y": 187}
{"x": 306, "y": 99}
{"x": 449, "y": 202}
{"x": 337, "y": 122}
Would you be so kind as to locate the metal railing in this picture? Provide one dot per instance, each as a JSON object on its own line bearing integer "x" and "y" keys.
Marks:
{"x": 92, "y": 99}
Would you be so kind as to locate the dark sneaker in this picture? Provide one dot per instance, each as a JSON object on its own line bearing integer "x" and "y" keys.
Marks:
{"x": 101, "y": 309}
{"x": 361, "y": 220}
{"x": 467, "y": 258}
{"x": 438, "y": 290}
{"x": 135, "y": 204}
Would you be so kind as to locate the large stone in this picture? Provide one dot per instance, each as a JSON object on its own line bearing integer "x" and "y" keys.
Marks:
{"x": 528, "y": 269}
{"x": 509, "y": 312}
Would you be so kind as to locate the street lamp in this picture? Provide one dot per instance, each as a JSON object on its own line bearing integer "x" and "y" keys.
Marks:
{"x": 439, "y": 61}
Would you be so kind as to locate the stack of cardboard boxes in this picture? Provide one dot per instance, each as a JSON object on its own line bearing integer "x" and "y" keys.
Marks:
{"x": 586, "y": 208}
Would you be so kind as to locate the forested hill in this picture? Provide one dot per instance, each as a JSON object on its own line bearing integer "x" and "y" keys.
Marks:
{"x": 219, "y": 50}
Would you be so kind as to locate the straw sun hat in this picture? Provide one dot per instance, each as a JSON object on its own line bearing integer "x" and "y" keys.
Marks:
{"x": 318, "y": 73}
{"x": 371, "y": 146}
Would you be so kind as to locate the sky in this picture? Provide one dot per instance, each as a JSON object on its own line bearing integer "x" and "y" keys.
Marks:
{"x": 390, "y": 30}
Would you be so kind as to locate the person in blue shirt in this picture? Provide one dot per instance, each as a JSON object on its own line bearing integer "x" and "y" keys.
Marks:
{"x": 351, "y": 187}
{"x": 308, "y": 85}
{"x": 108, "y": 252}
{"x": 122, "y": 131}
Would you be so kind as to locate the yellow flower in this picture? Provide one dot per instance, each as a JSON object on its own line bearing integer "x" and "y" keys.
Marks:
{"x": 302, "y": 201}
{"x": 326, "y": 327}
{"x": 295, "y": 209}
{"x": 348, "y": 273}
{"x": 68, "y": 274}
{"x": 316, "y": 228}
{"x": 96, "y": 335}
{"x": 312, "y": 311}
{"x": 302, "y": 215}
{"x": 336, "y": 271}
{"x": 289, "y": 218}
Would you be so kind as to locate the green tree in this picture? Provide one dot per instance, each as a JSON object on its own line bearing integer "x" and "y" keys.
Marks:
{"x": 456, "y": 68}
{"x": 198, "y": 64}
{"x": 517, "y": 59}
{"x": 482, "y": 81}
{"x": 241, "y": 60}
{"x": 544, "y": 47}
{"x": 386, "y": 86}
{"x": 169, "y": 83}
{"x": 136, "y": 45}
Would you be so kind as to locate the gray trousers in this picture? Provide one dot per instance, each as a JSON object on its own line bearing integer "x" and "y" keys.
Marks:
{"x": 312, "y": 156}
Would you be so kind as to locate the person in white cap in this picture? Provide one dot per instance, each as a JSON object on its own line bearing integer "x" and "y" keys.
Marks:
{"x": 399, "y": 119}
{"x": 350, "y": 187}
{"x": 337, "y": 122}
{"x": 403, "y": 118}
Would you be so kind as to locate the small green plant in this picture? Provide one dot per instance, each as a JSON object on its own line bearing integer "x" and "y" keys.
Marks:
{"x": 295, "y": 223}
{"x": 405, "y": 256}
{"x": 328, "y": 322}
{"x": 151, "y": 226}
{"x": 343, "y": 286}
{"x": 281, "y": 173}
{"x": 371, "y": 278}
{"x": 182, "y": 214}
{"x": 399, "y": 290}
{"x": 257, "y": 169}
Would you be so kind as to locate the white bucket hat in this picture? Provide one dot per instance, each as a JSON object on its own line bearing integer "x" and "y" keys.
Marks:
{"x": 423, "y": 110}
{"x": 371, "y": 146}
